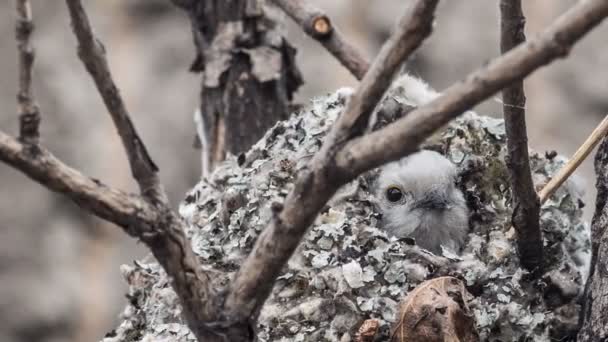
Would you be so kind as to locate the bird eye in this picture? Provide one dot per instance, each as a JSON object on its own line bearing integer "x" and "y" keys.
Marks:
{"x": 394, "y": 194}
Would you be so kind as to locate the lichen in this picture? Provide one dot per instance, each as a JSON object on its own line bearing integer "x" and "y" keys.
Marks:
{"x": 346, "y": 269}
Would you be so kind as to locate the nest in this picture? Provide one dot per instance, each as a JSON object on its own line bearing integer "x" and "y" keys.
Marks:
{"x": 346, "y": 269}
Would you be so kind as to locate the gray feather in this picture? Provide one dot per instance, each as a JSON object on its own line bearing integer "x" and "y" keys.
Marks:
{"x": 433, "y": 210}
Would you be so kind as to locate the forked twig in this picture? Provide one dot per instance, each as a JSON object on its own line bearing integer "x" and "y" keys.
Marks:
{"x": 92, "y": 53}
{"x": 404, "y": 135}
{"x": 316, "y": 185}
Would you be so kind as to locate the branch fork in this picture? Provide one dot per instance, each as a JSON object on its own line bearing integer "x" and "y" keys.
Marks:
{"x": 346, "y": 153}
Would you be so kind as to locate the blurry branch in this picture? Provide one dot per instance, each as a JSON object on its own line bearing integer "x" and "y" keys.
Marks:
{"x": 315, "y": 186}
{"x": 524, "y": 201}
{"x": 29, "y": 114}
{"x": 92, "y": 53}
{"x": 183, "y": 3}
{"x": 593, "y": 320}
{"x": 318, "y": 25}
{"x": 404, "y": 135}
{"x": 579, "y": 156}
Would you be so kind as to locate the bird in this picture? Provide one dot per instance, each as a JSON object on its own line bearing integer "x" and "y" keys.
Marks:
{"x": 418, "y": 198}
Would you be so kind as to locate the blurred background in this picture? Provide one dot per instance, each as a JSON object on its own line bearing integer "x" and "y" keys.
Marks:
{"x": 59, "y": 267}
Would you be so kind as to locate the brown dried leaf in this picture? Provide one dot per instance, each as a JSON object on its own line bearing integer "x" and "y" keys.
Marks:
{"x": 367, "y": 331}
{"x": 436, "y": 311}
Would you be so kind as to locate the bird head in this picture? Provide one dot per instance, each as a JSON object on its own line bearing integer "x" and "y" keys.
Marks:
{"x": 418, "y": 197}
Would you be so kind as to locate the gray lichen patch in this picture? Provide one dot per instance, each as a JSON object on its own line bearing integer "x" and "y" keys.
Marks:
{"x": 346, "y": 269}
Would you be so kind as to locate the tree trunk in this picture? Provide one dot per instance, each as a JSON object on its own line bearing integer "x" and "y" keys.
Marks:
{"x": 594, "y": 321}
{"x": 241, "y": 54}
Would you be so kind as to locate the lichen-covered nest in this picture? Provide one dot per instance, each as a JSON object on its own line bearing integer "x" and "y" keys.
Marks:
{"x": 347, "y": 269}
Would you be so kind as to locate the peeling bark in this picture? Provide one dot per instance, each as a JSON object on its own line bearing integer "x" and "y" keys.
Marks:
{"x": 242, "y": 55}
{"x": 594, "y": 321}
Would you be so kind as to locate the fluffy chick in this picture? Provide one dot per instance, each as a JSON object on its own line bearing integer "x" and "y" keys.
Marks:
{"x": 418, "y": 198}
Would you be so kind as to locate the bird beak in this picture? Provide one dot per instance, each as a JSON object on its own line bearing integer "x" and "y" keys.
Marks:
{"x": 433, "y": 201}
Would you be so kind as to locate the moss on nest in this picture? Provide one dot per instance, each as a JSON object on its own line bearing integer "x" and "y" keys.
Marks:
{"x": 346, "y": 269}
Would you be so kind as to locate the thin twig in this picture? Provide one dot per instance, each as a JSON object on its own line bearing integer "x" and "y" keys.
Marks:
{"x": 315, "y": 186}
{"x": 525, "y": 203}
{"x": 579, "y": 156}
{"x": 318, "y": 26}
{"x": 404, "y": 135}
{"x": 92, "y": 53}
{"x": 166, "y": 238}
{"x": 29, "y": 114}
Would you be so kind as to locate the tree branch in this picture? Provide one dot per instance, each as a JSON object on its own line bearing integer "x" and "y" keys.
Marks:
{"x": 113, "y": 205}
{"x": 318, "y": 26}
{"x": 92, "y": 53}
{"x": 165, "y": 235}
{"x": 315, "y": 186}
{"x": 160, "y": 228}
{"x": 404, "y": 135}
{"x": 524, "y": 201}
{"x": 593, "y": 315}
{"x": 29, "y": 114}
{"x": 413, "y": 27}
{"x": 579, "y": 156}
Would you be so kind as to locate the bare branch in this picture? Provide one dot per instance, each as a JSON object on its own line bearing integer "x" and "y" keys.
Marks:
{"x": 29, "y": 114}
{"x": 314, "y": 187}
{"x": 160, "y": 228}
{"x": 415, "y": 25}
{"x": 183, "y": 4}
{"x": 318, "y": 25}
{"x": 594, "y": 319}
{"x": 524, "y": 201}
{"x": 403, "y": 136}
{"x": 113, "y": 205}
{"x": 579, "y": 156}
{"x": 92, "y": 54}
{"x": 165, "y": 235}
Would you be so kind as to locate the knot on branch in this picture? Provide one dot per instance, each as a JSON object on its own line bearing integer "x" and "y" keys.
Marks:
{"x": 23, "y": 29}
{"x": 29, "y": 121}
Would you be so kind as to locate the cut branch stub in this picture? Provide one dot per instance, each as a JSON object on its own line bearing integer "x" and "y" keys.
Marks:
{"x": 318, "y": 25}
{"x": 321, "y": 26}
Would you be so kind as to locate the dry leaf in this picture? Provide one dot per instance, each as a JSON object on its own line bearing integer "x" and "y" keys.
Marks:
{"x": 367, "y": 331}
{"x": 436, "y": 311}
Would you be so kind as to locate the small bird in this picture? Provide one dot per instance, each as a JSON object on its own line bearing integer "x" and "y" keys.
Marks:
{"x": 418, "y": 198}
